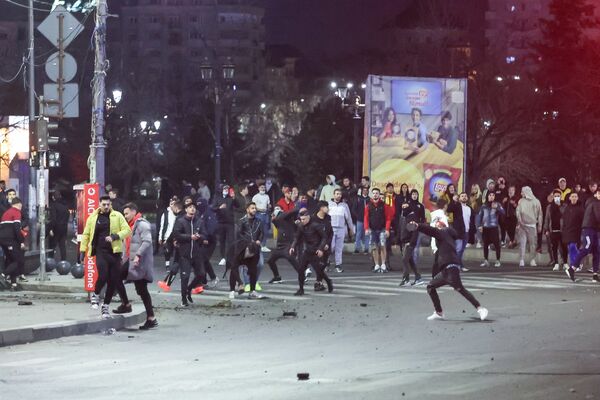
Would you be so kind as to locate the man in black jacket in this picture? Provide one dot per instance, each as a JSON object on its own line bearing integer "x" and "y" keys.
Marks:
{"x": 589, "y": 238}
{"x": 311, "y": 234}
{"x": 449, "y": 264}
{"x": 57, "y": 225}
{"x": 358, "y": 212}
{"x": 224, "y": 204}
{"x": 322, "y": 216}
{"x": 570, "y": 225}
{"x": 190, "y": 235}
{"x": 413, "y": 211}
{"x": 285, "y": 222}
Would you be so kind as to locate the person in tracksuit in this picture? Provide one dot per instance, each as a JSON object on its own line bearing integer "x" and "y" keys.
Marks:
{"x": 322, "y": 216}
{"x": 191, "y": 237}
{"x": 341, "y": 222}
{"x": 285, "y": 222}
{"x": 449, "y": 264}
{"x": 165, "y": 239}
{"x": 246, "y": 250}
{"x": 589, "y": 238}
{"x": 165, "y": 285}
{"x": 311, "y": 235}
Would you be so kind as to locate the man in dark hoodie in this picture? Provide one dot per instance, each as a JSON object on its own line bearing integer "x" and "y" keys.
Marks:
{"x": 589, "y": 238}
{"x": 322, "y": 216}
{"x": 285, "y": 222}
{"x": 570, "y": 225}
{"x": 413, "y": 211}
{"x": 58, "y": 224}
{"x": 552, "y": 229}
{"x": 224, "y": 204}
{"x": 449, "y": 265}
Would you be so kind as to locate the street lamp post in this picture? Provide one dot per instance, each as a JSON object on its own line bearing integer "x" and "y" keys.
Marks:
{"x": 218, "y": 83}
{"x": 352, "y": 102}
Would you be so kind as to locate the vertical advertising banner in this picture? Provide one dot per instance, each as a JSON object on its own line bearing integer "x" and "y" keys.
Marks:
{"x": 90, "y": 202}
{"x": 415, "y": 133}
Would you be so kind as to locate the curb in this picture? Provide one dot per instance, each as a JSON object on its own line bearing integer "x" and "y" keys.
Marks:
{"x": 51, "y": 288}
{"x": 36, "y": 333}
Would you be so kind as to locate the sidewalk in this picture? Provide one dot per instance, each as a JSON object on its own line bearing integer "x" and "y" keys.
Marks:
{"x": 54, "y": 316}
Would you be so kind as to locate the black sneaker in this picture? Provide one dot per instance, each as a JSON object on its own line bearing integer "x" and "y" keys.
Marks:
{"x": 570, "y": 273}
{"x": 366, "y": 252}
{"x": 356, "y": 251}
{"x": 149, "y": 324}
{"x": 22, "y": 278}
{"x": 15, "y": 287}
{"x": 189, "y": 298}
{"x": 299, "y": 292}
{"x": 405, "y": 281}
{"x": 122, "y": 309}
{"x": 184, "y": 302}
{"x": 4, "y": 283}
{"x": 276, "y": 279}
{"x": 595, "y": 278}
{"x": 319, "y": 287}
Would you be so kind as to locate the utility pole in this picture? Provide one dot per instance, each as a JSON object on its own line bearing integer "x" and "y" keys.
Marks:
{"x": 218, "y": 117}
{"x": 96, "y": 161}
{"x": 32, "y": 209}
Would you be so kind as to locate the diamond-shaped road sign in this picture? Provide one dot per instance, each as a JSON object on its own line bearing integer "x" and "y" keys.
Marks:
{"x": 50, "y": 26}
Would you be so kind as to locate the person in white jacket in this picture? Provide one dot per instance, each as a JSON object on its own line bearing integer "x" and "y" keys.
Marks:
{"x": 167, "y": 221}
{"x": 327, "y": 190}
{"x": 341, "y": 221}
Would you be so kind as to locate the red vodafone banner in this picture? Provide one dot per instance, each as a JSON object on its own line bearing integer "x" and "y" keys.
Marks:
{"x": 90, "y": 204}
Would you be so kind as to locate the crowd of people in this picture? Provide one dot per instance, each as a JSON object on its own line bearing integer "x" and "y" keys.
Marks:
{"x": 311, "y": 228}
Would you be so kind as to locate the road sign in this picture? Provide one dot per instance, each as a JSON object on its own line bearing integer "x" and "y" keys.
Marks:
{"x": 70, "y": 100}
{"x": 50, "y": 27}
{"x": 53, "y": 68}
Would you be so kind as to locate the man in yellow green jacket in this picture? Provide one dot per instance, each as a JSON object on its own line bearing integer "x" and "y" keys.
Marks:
{"x": 103, "y": 237}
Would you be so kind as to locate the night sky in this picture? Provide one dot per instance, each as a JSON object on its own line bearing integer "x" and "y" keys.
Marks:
{"x": 327, "y": 27}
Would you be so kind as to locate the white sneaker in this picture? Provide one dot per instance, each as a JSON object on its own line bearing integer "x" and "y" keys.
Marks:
{"x": 94, "y": 301}
{"x": 522, "y": 264}
{"x": 105, "y": 314}
{"x": 483, "y": 313}
{"x": 485, "y": 263}
{"x": 497, "y": 264}
{"x": 565, "y": 266}
{"x": 532, "y": 263}
{"x": 376, "y": 268}
{"x": 222, "y": 262}
{"x": 254, "y": 295}
{"x": 578, "y": 269}
{"x": 308, "y": 273}
{"x": 214, "y": 283}
{"x": 556, "y": 267}
{"x": 435, "y": 316}
{"x": 383, "y": 269}
{"x": 232, "y": 295}
{"x": 478, "y": 245}
{"x": 265, "y": 249}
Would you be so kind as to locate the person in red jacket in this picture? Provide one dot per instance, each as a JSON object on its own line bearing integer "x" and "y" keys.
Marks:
{"x": 12, "y": 242}
{"x": 378, "y": 221}
{"x": 286, "y": 203}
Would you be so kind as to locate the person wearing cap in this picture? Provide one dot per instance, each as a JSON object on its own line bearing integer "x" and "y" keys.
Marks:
{"x": 449, "y": 267}
{"x": 224, "y": 205}
{"x": 285, "y": 222}
{"x": 564, "y": 190}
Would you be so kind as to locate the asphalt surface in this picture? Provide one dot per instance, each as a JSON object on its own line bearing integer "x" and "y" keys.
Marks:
{"x": 368, "y": 340}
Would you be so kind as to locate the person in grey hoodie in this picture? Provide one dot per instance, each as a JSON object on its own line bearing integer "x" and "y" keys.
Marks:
{"x": 327, "y": 190}
{"x": 341, "y": 221}
{"x": 530, "y": 222}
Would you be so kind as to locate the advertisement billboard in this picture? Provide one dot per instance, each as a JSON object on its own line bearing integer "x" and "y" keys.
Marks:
{"x": 415, "y": 133}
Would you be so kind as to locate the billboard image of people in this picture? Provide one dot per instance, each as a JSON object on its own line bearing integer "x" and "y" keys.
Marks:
{"x": 415, "y": 133}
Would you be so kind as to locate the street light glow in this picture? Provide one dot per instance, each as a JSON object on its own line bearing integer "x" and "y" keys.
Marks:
{"x": 263, "y": 106}
{"x": 117, "y": 95}
{"x": 350, "y": 85}
{"x": 499, "y": 79}
{"x": 157, "y": 125}
{"x": 363, "y": 86}
{"x": 333, "y": 84}
{"x": 143, "y": 124}
{"x": 517, "y": 78}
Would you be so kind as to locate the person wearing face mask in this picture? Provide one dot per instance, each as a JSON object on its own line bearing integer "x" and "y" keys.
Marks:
{"x": 552, "y": 230}
{"x": 224, "y": 206}
{"x": 327, "y": 190}
{"x": 570, "y": 226}
{"x": 263, "y": 208}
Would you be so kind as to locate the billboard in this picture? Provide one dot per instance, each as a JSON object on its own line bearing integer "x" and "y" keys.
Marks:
{"x": 415, "y": 131}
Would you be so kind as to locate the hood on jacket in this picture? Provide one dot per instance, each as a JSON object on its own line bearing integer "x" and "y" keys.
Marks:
{"x": 527, "y": 193}
{"x": 487, "y": 183}
{"x": 410, "y": 195}
{"x": 202, "y": 206}
{"x": 332, "y": 179}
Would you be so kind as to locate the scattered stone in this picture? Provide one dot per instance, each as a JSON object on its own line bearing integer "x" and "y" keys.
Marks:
{"x": 130, "y": 337}
{"x": 492, "y": 359}
{"x": 290, "y": 314}
{"x": 25, "y": 303}
{"x": 572, "y": 390}
{"x": 195, "y": 359}
{"x": 403, "y": 394}
{"x": 363, "y": 304}
{"x": 302, "y": 376}
{"x": 464, "y": 311}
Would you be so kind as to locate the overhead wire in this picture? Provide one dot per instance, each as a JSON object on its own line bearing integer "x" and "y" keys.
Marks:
{"x": 26, "y": 6}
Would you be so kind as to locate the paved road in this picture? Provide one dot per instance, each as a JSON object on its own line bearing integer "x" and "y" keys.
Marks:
{"x": 368, "y": 340}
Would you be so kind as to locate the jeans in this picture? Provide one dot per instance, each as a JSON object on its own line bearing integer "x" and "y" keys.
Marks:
{"x": 417, "y": 247}
{"x": 463, "y": 245}
{"x": 263, "y": 217}
{"x": 589, "y": 241}
{"x": 362, "y": 241}
{"x": 259, "y": 266}
{"x": 449, "y": 276}
{"x": 527, "y": 234}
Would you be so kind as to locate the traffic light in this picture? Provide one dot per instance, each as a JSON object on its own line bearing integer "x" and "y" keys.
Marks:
{"x": 53, "y": 159}
{"x": 41, "y": 139}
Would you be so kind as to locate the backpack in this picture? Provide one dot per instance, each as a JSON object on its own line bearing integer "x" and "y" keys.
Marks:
{"x": 210, "y": 221}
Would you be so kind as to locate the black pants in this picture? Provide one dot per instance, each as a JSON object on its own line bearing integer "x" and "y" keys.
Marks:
{"x": 502, "y": 225}
{"x": 14, "y": 263}
{"x": 110, "y": 273}
{"x": 278, "y": 254}
{"x": 168, "y": 249}
{"x": 408, "y": 260}
{"x": 511, "y": 227}
{"x": 60, "y": 240}
{"x": 449, "y": 276}
{"x": 141, "y": 288}
{"x": 556, "y": 245}
{"x": 208, "y": 252}
{"x": 490, "y": 236}
{"x": 307, "y": 258}
{"x": 225, "y": 233}
{"x": 186, "y": 265}
{"x": 252, "y": 265}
